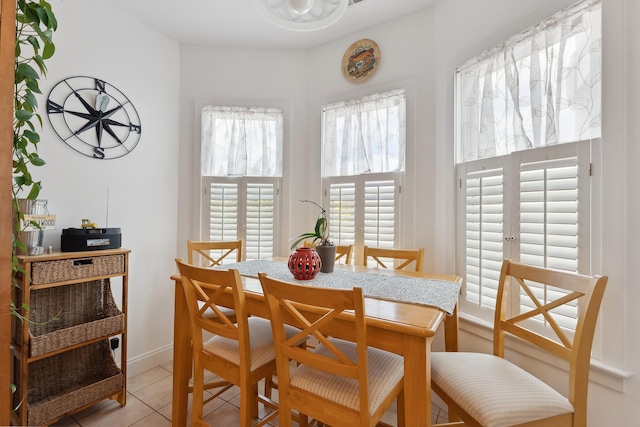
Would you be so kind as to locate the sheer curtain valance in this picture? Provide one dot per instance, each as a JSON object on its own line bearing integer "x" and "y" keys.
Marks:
{"x": 241, "y": 141}
{"x": 365, "y": 135}
{"x": 538, "y": 88}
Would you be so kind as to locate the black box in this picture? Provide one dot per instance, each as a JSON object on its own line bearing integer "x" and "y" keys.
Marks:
{"x": 89, "y": 239}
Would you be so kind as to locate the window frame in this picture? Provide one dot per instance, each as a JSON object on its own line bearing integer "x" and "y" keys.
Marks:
{"x": 199, "y": 225}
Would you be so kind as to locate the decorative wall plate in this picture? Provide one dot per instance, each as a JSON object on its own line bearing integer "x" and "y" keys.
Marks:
{"x": 360, "y": 60}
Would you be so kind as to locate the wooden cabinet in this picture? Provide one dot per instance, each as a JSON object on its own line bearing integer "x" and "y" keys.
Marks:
{"x": 62, "y": 356}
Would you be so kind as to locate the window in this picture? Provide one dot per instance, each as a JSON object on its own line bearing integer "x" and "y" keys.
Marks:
{"x": 241, "y": 176}
{"x": 363, "y": 144}
{"x": 528, "y": 114}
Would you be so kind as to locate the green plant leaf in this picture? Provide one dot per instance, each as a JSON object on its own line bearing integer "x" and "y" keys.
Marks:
{"x": 51, "y": 18}
{"x": 35, "y": 190}
{"x": 33, "y": 41}
{"x": 31, "y": 99}
{"x": 33, "y": 86}
{"x": 27, "y": 71}
{"x": 32, "y": 136}
{"x": 36, "y": 160}
{"x": 24, "y": 115}
{"x": 48, "y": 51}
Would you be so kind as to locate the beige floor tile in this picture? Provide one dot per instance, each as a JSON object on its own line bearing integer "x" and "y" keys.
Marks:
{"x": 157, "y": 394}
{"x": 117, "y": 416}
{"x": 153, "y": 420}
{"x": 147, "y": 378}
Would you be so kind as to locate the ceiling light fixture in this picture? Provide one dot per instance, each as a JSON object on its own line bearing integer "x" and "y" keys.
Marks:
{"x": 302, "y": 15}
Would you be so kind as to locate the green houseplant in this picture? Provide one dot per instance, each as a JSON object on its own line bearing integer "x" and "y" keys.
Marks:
{"x": 35, "y": 24}
{"x": 319, "y": 240}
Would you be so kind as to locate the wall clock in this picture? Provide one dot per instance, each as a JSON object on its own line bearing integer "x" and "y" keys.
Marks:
{"x": 93, "y": 117}
{"x": 360, "y": 60}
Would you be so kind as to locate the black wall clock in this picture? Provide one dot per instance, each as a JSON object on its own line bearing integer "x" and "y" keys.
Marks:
{"x": 93, "y": 117}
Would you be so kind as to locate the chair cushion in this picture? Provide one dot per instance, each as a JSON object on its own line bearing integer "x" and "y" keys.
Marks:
{"x": 385, "y": 371}
{"x": 493, "y": 390}
{"x": 262, "y": 348}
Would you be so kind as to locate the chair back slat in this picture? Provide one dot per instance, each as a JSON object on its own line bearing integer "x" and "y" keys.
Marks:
{"x": 344, "y": 253}
{"x": 404, "y": 257}
{"x": 204, "y": 289}
{"x": 212, "y": 253}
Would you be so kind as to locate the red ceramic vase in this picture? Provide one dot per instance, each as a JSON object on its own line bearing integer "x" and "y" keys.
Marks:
{"x": 304, "y": 263}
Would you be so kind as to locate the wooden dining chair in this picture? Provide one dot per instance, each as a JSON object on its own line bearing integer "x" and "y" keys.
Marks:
{"x": 213, "y": 253}
{"x": 488, "y": 390}
{"x": 404, "y": 256}
{"x": 240, "y": 353}
{"x": 339, "y": 383}
{"x": 344, "y": 253}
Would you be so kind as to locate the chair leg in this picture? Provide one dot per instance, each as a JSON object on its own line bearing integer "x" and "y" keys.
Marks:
{"x": 198, "y": 395}
{"x": 286, "y": 417}
{"x": 268, "y": 386}
{"x": 400, "y": 409}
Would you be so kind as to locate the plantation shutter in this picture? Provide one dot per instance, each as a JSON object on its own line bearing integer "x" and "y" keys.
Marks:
{"x": 363, "y": 210}
{"x": 531, "y": 206}
{"x": 223, "y": 211}
{"x": 554, "y": 219}
{"x": 260, "y": 223}
{"x": 483, "y": 197}
{"x": 243, "y": 208}
{"x": 342, "y": 213}
{"x": 379, "y": 213}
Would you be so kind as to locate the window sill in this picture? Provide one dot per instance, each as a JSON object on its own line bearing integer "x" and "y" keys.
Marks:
{"x": 601, "y": 373}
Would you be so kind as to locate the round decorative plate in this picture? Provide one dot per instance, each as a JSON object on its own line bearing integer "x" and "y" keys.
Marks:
{"x": 360, "y": 60}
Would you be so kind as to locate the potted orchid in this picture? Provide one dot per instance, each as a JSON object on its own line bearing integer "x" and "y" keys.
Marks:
{"x": 319, "y": 239}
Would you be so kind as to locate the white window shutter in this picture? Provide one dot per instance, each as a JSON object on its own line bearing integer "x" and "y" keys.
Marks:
{"x": 533, "y": 207}
{"x": 342, "y": 213}
{"x": 379, "y": 213}
{"x": 243, "y": 208}
{"x": 554, "y": 219}
{"x": 223, "y": 211}
{"x": 484, "y": 217}
{"x": 260, "y": 222}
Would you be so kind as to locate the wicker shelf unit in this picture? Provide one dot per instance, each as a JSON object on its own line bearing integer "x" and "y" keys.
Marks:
{"x": 62, "y": 358}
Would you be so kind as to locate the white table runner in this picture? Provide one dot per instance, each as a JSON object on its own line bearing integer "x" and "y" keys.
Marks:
{"x": 430, "y": 292}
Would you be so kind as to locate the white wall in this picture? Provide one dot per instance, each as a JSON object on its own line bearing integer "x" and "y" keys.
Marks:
{"x": 95, "y": 40}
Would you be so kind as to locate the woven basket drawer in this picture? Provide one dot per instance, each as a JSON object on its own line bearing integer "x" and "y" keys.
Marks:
{"x": 63, "y": 383}
{"x": 72, "y": 314}
{"x": 76, "y": 269}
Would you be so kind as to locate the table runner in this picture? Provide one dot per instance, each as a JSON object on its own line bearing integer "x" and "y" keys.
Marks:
{"x": 441, "y": 294}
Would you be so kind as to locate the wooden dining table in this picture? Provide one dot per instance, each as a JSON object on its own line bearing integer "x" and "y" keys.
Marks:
{"x": 406, "y": 329}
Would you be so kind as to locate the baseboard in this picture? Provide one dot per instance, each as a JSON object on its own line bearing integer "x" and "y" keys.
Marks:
{"x": 144, "y": 362}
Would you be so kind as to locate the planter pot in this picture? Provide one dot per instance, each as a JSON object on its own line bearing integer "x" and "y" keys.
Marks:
{"x": 304, "y": 263}
{"x": 328, "y": 256}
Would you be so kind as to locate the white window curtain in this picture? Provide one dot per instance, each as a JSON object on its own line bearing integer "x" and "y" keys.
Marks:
{"x": 365, "y": 135}
{"x": 242, "y": 141}
{"x": 540, "y": 87}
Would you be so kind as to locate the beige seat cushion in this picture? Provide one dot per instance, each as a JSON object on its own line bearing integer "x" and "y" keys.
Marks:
{"x": 385, "y": 371}
{"x": 261, "y": 338}
{"x": 494, "y": 391}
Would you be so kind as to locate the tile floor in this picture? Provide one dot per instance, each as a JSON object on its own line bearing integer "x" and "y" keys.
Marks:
{"x": 149, "y": 404}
